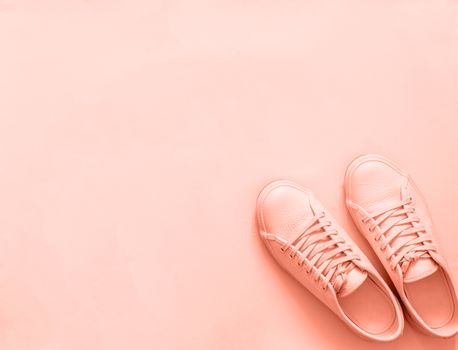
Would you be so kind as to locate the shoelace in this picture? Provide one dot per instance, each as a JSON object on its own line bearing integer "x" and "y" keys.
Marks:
{"x": 404, "y": 253}
{"x": 322, "y": 251}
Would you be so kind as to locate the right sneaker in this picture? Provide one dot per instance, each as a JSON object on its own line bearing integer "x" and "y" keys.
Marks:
{"x": 390, "y": 212}
{"x": 309, "y": 244}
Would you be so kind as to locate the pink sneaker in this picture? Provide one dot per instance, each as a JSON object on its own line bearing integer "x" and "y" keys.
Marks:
{"x": 308, "y": 243}
{"x": 390, "y": 212}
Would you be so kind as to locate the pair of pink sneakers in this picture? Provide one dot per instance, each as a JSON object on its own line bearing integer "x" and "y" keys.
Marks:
{"x": 390, "y": 212}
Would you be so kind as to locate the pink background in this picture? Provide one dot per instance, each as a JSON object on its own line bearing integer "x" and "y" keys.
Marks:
{"x": 135, "y": 136}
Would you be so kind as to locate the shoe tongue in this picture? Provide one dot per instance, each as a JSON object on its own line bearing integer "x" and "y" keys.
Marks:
{"x": 303, "y": 214}
{"x": 355, "y": 279}
{"x": 419, "y": 269}
{"x": 423, "y": 267}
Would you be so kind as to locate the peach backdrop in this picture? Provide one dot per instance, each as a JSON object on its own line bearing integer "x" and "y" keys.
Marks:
{"x": 135, "y": 136}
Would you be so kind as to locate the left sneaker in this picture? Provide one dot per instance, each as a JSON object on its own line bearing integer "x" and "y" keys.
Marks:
{"x": 390, "y": 212}
{"x": 308, "y": 243}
